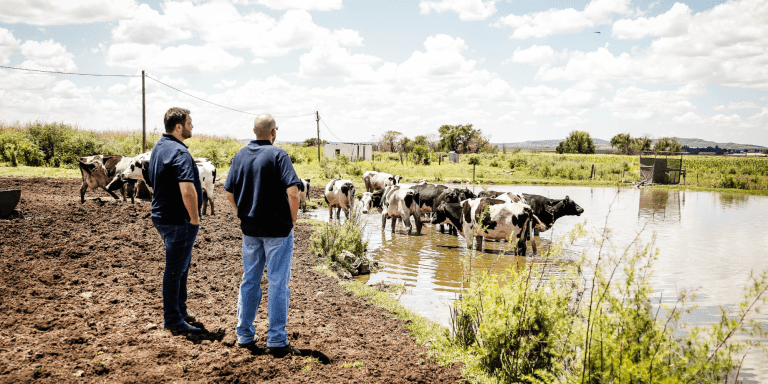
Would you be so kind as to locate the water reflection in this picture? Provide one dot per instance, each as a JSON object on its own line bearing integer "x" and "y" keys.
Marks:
{"x": 660, "y": 204}
{"x": 733, "y": 200}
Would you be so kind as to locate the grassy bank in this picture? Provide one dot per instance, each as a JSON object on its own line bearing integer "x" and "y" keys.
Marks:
{"x": 52, "y": 146}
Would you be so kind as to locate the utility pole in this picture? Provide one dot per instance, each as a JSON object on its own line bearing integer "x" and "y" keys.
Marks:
{"x": 143, "y": 116}
{"x": 318, "y": 136}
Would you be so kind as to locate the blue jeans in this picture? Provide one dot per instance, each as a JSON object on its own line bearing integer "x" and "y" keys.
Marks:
{"x": 276, "y": 253}
{"x": 178, "y": 240}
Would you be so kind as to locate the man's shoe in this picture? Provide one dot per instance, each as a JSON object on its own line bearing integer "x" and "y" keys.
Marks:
{"x": 185, "y": 328}
{"x": 282, "y": 351}
{"x": 248, "y": 345}
{"x": 190, "y": 317}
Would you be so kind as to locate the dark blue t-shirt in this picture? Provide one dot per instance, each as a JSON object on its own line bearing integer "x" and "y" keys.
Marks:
{"x": 258, "y": 178}
{"x": 170, "y": 164}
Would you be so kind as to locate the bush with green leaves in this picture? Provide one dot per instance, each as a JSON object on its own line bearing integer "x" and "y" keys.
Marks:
{"x": 334, "y": 237}
{"x": 17, "y": 149}
{"x": 595, "y": 322}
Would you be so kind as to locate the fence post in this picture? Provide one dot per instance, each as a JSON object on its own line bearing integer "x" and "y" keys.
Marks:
{"x": 622, "y": 175}
{"x": 592, "y": 174}
{"x": 318, "y": 135}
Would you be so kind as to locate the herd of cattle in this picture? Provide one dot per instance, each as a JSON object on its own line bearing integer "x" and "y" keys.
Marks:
{"x": 488, "y": 215}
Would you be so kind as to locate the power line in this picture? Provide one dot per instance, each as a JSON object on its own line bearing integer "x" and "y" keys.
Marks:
{"x": 68, "y": 73}
{"x": 176, "y": 89}
{"x": 329, "y": 130}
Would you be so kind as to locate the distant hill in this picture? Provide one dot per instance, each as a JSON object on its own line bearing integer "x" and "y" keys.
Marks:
{"x": 600, "y": 143}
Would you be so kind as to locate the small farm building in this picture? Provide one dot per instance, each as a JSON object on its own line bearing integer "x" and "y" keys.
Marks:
{"x": 353, "y": 151}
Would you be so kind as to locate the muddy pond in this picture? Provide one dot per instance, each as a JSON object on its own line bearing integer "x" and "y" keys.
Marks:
{"x": 707, "y": 241}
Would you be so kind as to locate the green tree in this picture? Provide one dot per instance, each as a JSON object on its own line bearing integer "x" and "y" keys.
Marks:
{"x": 623, "y": 142}
{"x": 457, "y": 137}
{"x": 577, "y": 142}
{"x": 474, "y": 161}
{"x": 420, "y": 152}
{"x": 312, "y": 142}
{"x": 667, "y": 144}
{"x": 390, "y": 140}
{"x": 421, "y": 140}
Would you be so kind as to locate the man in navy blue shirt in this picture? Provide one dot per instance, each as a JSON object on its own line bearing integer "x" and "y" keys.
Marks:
{"x": 176, "y": 202}
{"x": 263, "y": 187}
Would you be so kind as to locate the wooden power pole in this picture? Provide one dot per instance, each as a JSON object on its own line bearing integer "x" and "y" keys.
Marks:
{"x": 318, "y": 135}
{"x": 143, "y": 116}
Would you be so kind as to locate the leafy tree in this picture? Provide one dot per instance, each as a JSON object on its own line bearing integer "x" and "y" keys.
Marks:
{"x": 474, "y": 161}
{"x": 406, "y": 145}
{"x": 421, "y": 140}
{"x": 420, "y": 152}
{"x": 389, "y": 140}
{"x": 312, "y": 142}
{"x": 623, "y": 142}
{"x": 667, "y": 144}
{"x": 457, "y": 137}
{"x": 577, "y": 142}
{"x": 643, "y": 143}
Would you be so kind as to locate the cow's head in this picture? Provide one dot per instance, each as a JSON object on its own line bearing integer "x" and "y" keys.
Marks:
{"x": 441, "y": 216}
{"x": 567, "y": 207}
{"x": 466, "y": 194}
{"x": 366, "y": 201}
{"x": 395, "y": 179}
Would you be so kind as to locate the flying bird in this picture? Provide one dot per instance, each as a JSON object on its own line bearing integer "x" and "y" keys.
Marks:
{"x": 597, "y": 31}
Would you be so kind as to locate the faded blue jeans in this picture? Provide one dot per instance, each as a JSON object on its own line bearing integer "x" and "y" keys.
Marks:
{"x": 178, "y": 240}
{"x": 276, "y": 253}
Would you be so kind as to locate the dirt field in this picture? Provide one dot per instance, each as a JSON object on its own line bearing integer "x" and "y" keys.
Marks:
{"x": 80, "y": 298}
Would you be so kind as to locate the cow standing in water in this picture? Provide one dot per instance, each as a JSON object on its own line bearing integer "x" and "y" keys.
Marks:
{"x": 400, "y": 202}
{"x": 303, "y": 194}
{"x": 545, "y": 209}
{"x": 340, "y": 193}
{"x": 379, "y": 180}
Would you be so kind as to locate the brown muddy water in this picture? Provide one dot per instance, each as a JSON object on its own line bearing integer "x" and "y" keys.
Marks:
{"x": 707, "y": 241}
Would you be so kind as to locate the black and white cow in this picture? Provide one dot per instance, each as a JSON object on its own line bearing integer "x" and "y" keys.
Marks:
{"x": 127, "y": 186}
{"x": 400, "y": 202}
{"x": 340, "y": 193}
{"x": 549, "y": 210}
{"x": 492, "y": 219}
{"x": 379, "y": 180}
{"x": 452, "y": 196}
{"x": 428, "y": 193}
{"x": 303, "y": 194}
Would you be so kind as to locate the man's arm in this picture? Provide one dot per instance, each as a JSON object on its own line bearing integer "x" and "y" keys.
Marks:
{"x": 293, "y": 200}
{"x": 189, "y": 196}
{"x": 231, "y": 198}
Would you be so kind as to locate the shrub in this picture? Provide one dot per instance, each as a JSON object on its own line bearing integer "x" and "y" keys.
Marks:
{"x": 17, "y": 148}
{"x": 335, "y": 237}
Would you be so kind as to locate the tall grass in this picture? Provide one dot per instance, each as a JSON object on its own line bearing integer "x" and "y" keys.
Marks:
{"x": 595, "y": 322}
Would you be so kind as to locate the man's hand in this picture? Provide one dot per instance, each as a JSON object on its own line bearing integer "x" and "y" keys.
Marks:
{"x": 189, "y": 196}
{"x": 231, "y": 198}
{"x": 293, "y": 200}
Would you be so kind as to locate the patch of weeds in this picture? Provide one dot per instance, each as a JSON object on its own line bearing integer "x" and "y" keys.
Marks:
{"x": 354, "y": 364}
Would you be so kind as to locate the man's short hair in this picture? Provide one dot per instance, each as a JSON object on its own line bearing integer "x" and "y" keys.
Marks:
{"x": 175, "y": 116}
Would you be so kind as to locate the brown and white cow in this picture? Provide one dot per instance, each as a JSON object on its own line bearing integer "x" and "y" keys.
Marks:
{"x": 126, "y": 186}
{"x": 400, "y": 202}
{"x": 493, "y": 219}
{"x": 340, "y": 193}
{"x": 97, "y": 171}
{"x": 379, "y": 180}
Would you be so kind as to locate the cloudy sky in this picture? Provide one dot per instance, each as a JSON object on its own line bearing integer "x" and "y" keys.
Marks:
{"x": 519, "y": 70}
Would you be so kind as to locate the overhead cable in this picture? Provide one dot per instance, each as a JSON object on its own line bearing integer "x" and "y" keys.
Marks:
{"x": 68, "y": 73}
{"x": 329, "y": 130}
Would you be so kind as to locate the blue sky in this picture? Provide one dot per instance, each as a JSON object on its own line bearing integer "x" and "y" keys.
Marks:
{"x": 518, "y": 70}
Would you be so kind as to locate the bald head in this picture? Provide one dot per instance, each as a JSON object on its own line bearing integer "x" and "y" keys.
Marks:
{"x": 263, "y": 126}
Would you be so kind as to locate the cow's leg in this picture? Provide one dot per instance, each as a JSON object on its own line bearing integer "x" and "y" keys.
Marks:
{"x": 330, "y": 211}
{"x": 210, "y": 200}
{"x": 338, "y": 212}
{"x": 469, "y": 238}
{"x": 407, "y": 222}
{"x": 123, "y": 191}
{"x": 479, "y": 240}
{"x": 111, "y": 193}
{"x": 394, "y": 223}
{"x": 383, "y": 221}
{"x": 417, "y": 219}
{"x": 83, "y": 188}
{"x": 533, "y": 238}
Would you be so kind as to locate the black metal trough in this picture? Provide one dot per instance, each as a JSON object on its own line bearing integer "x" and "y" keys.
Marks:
{"x": 9, "y": 198}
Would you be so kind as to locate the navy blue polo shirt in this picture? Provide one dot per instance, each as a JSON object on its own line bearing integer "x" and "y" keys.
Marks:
{"x": 258, "y": 178}
{"x": 170, "y": 164}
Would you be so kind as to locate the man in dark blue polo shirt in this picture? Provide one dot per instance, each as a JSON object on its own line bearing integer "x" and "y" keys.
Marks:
{"x": 176, "y": 202}
{"x": 263, "y": 187}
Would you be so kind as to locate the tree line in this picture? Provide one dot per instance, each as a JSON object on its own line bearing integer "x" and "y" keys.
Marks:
{"x": 581, "y": 142}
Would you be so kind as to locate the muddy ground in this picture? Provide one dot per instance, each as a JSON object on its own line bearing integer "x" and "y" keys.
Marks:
{"x": 80, "y": 301}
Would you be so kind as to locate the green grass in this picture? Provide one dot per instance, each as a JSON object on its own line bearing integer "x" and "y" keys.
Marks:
{"x": 26, "y": 171}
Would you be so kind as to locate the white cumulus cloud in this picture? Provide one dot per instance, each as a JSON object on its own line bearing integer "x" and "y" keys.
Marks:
{"x": 307, "y": 5}
{"x": 333, "y": 60}
{"x": 184, "y": 58}
{"x": 563, "y": 21}
{"x": 8, "y": 44}
{"x": 148, "y": 26}
{"x": 467, "y": 9}
{"x": 674, "y": 22}
{"x": 640, "y": 104}
{"x": 534, "y": 55}
{"x": 737, "y": 105}
{"x": 47, "y": 55}
{"x": 58, "y": 12}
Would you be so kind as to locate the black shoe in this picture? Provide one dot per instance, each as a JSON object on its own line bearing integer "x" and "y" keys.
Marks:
{"x": 190, "y": 317}
{"x": 249, "y": 346}
{"x": 185, "y": 328}
{"x": 282, "y": 351}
